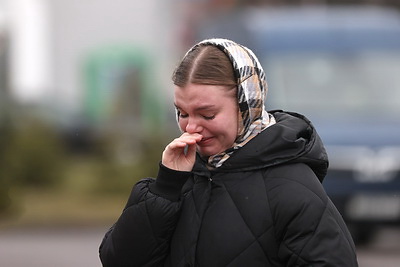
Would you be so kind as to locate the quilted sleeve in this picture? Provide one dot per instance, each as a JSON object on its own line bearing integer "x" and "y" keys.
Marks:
{"x": 309, "y": 229}
{"x": 142, "y": 234}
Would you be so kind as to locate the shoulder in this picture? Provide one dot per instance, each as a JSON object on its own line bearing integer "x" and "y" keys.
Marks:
{"x": 293, "y": 176}
{"x": 294, "y": 187}
{"x": 297, "y": 200}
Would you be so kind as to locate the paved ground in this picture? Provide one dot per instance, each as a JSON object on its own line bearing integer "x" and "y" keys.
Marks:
{"x": 383, "y": 252}
{"x": 50, "y": 248}
{"x": 78, "y": 248}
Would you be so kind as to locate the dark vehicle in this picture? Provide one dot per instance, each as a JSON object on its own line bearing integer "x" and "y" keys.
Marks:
{"x": 341, "y": 68}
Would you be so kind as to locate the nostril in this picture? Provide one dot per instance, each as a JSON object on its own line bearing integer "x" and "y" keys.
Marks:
{"x": 194, "y": 128}
{"x": 191, "y": 128}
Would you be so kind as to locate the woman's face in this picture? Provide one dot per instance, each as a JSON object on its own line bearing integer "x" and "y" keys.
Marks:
{"x": 210, "y": 111}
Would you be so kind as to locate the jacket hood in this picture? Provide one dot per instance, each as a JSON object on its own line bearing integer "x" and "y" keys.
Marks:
{"x": 291, "y": 139}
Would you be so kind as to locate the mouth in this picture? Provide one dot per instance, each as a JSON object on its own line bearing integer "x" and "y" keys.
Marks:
{"x": 204, "y": 141}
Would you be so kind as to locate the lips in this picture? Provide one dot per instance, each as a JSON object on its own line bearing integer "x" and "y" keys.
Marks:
{"x": 204, "y": 141}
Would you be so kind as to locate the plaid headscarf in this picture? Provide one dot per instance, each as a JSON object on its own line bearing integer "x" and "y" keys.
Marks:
{"x": 252, "y": 90}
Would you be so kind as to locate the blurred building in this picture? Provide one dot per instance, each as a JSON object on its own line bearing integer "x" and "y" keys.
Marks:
{"x": 52, "y": 43}
{"x": 3, "y": 58}
{"x": 3, "y": 66}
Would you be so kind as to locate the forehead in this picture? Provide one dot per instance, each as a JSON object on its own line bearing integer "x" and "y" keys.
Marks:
{"x": 201, "y": 96}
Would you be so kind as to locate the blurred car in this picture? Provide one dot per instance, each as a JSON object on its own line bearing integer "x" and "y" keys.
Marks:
{"x": 340, "y": 66}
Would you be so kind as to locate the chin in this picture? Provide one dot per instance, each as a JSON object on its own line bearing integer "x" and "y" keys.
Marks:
{"x": 208, "y": 152}
{"x": 203, "y": 154}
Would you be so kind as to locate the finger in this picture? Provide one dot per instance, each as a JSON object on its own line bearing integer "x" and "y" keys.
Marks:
{"x": 189, "y": 140}
{"x": 175, "y": 146}
{"x": 190, "y": 134}
{"x": 178, "y": 145}
{"x": 191, "y": 151}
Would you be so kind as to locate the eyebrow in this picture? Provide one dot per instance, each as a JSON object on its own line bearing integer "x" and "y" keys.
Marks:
{"x": 200, "y": 108}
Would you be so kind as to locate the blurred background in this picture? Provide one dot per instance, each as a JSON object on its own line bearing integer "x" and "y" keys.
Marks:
{"x": 86, "y": 109}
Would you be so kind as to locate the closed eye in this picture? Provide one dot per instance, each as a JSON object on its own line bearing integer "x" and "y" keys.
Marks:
{"x": 183, "y": 115}
{"x": 209, "y": 117}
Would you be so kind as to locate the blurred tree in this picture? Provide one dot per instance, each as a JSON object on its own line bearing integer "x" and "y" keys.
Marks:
{"x": 5, "y": 123}
{"x": 36, "y": 155}
{"x": 114, "y": 176}
{"x": 5, "y": 183}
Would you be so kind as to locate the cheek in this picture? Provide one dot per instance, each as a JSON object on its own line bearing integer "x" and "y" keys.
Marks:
{"x": 228, "y": 126}
{"x": 231, "y": 122}
{"x": 233, "y": 129}
{"x": 182, "y": 124}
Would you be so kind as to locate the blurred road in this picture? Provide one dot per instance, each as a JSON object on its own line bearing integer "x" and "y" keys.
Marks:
{"x": 78, "y": 248}
{"x": 384, "y": 251}
{"x": 50, "y": 247}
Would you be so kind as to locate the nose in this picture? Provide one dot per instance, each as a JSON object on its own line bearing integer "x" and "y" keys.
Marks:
{"x": 193, "y": 126}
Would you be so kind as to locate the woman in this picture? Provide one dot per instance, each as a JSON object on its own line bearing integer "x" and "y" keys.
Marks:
{"x": 239, "y": 187}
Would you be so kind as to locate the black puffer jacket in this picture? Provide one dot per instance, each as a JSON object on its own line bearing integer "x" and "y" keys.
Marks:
{"x": 264, "y": 207}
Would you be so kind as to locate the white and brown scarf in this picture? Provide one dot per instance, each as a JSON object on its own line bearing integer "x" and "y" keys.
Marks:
{"x": 252, "y": 91}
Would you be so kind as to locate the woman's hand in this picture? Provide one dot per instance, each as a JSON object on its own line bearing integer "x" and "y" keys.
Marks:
{"x": 175, "y": 157}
